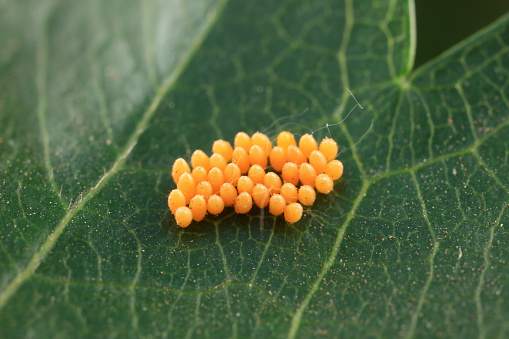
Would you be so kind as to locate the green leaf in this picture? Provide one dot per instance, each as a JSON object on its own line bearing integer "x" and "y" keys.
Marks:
{"x": 97, "y": 98}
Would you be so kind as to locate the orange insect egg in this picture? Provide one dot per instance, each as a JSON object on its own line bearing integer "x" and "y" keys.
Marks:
{"x": 329, "y": 148}
{"x": 286, "y": 139}
{"x": 204, "y": 189}
{"x": 199, "y": 158}
{"x": 176, "y": 199}
{"x": 334, "y": 169}
{"x": 241, "y": 158}
{"x": 307, "y": 195}
{"x": 199, "y": 174}
{"x": 307, "y": 144}
{"x": 228, "y": 193}
{"x": 277, "y": 204}
{"x": 217, "y": 160}
{"x": 324, "y": 183}
{"x": 224, "y": 148}
{"x": 180, "y": 167}
{"x": 261, "y": 195}
{"x": 187, "y": 186}
{"x": 216, "y": 179}
{"x": 263, "y": 141}
{"x": 256, "y": 173}
{"x": 290, "y": 173}
{"x": 232, "y": 173}
{"x": 198, "y": 207}
{"x": 215, "y": 205}
{"x": 293, "y": 212}
{"x": 307, "y": 174}
{"x": 318, "y": 161}
{"x": 243, "y": 140}
{"x": 257, "y": 156}
{"x": 273, "y": 182}
{"x": 294, "y": 154}
{"x": 289, "y": 192}
{"x": 278, "y": 158}
{"x": 245, "y": 184}
{"x": 243, "y": 203}
{"x": 183, "y": 216}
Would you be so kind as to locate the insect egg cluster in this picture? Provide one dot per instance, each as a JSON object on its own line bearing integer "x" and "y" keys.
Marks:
{"x": 283, "y": 177}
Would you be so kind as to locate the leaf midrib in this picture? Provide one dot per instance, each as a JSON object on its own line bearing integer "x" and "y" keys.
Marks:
{"x": 341, "y": 57}
{"x": 142, "y": 125}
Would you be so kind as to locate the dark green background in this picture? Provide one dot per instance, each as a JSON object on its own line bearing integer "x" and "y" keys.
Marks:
{"x": 442, "y": 23}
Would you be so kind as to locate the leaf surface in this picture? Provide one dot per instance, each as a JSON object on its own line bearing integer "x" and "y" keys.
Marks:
{"x": 97, "y": 99}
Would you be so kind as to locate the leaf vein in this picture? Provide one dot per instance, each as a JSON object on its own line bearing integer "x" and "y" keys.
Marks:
{"x": 422, "y": 297}
{"x": 330, "y": 261}
{"x": 142, "y": 125}
{"x": 41, "y": 60}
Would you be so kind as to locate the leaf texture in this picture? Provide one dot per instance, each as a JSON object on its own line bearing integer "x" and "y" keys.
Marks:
{"x": 98, "y": 98}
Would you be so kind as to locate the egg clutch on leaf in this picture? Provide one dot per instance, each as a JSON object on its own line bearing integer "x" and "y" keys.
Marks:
{"x": 238, "y": 177}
